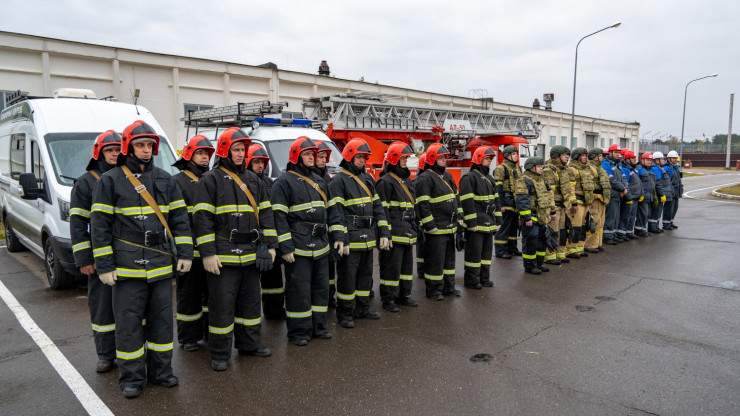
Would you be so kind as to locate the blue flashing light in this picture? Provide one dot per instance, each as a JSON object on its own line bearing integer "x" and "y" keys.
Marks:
{"x": 301, "y": 122}
{"x": 267, "y": 120}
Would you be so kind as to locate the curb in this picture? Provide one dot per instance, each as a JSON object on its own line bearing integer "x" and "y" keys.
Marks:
{"x": 725, "y": 196}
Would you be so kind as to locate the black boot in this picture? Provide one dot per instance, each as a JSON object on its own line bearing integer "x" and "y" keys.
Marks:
{"x": 541, "y": 264}
{"x": 530, "y": 266}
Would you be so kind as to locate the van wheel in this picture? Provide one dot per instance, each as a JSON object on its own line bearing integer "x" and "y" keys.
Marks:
{"x": 56, "y": 275}
{"x": 12, "y": 243}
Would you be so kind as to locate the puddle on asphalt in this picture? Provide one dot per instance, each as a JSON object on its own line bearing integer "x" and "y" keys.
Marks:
{"x": 727, "y": 284}
{"x": 605, "y": 298}
{"x": 481, "y": 358}
{"x": 581, "y": 308}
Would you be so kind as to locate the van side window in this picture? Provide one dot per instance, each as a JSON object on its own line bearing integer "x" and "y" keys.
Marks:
{"x": 37, "y": 164}
{"x": 5, "y": 155}
{"x": 17, "y": 155}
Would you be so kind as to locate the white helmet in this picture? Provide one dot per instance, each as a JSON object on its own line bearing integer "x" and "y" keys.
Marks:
{"x": 673, "y": 153}
{"x": 658, "y": 155}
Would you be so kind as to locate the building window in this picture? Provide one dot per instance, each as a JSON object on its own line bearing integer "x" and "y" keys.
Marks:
{"x": 603, "y": 142}
{"x": 564, "y": 140}
{"x": 590, "y": 142}
{"x": 196, "y": 107}
{"x": 573, "y": 142}
{"x": 611, "y": 142}
{"x": 552, "y": 140}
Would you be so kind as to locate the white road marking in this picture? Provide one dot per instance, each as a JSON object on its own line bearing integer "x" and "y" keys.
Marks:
{"x": 686, "y": 194}
{"x": 84, "y": 393}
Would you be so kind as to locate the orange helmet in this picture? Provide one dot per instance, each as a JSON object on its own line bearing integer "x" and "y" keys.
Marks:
{"x": 300, "y": 145}
{"x": 423, "y": 161}
{"x": 228, "y": 138}
{"x": 647, "y": 155}
{"x": 256, "y": 151}
{"x": 107, "y": 138}
{"x": 481, "y": 153}
{"x": 196, "y": 143}
{"x": 434, "y": 151}
{"x": 355, "y": 147}
{"x": 323, "y": 147}
{"x": 138, "y": 130}
{"x": 396, "y": 151}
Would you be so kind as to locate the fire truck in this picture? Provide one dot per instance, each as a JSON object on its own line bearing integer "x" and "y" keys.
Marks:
{"x": 379, "y": 121}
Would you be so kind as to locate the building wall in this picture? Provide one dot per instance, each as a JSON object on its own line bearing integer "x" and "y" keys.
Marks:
{"x": 167, "y": 83}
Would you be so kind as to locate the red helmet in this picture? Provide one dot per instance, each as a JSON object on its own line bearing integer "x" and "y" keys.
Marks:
{"x": 323, "y": 147}
{"x": 256, "y": 151}
{"x": 107, "y": 138}
{"x": 434, "y": 151}
{"x": 196, "y": 143}
{"x": 614, "y": 147}
{"x": 137, "y": 130}
{"x": 481, "y": 153}
{"x": 228, "y": 138}
{"x": 396, "y": 151}
{"x": 628, "y": 154}
{"x": 300, "y": 145}
{"x": 355, "y": 147}
{"x": 647, "y": 155}
{"x": 423, "y": 161}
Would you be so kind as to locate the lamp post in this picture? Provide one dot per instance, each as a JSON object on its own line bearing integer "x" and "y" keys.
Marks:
{"x": 683, "y": 118}
{"x": 575, "y": 72}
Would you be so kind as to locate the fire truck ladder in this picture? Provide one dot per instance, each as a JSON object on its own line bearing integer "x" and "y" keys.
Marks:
{"x": 366, "y": 111}
{"x": 233, "y": 115}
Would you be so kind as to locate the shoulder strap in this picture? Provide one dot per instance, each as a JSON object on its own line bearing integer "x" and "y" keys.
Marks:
{"x": 506, "y": 171}
{"x": 244, "y": 188}
{"x": 483, "y": 176}
{"x": 403, "y": 185}
{"x": 530, "y": 186}
{"x": 362, "y": 184}
{"x": 191, "y": 175}
{"x": 141, "y": 189}
{"x": 444, "y": 182}
{"x": 311, "y": 183}
{"x": 94, "y": 174}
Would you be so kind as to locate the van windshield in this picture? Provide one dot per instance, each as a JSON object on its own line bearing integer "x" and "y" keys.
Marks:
{"x": 279, "y": 150}
{"x": 70, "y": 153}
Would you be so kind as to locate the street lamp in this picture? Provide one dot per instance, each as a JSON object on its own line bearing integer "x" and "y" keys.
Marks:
{"x": 575, "y": 72}
{"x": 683, "y": 118}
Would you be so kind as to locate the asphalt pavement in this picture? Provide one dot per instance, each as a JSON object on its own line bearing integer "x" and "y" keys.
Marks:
{"x": 650, "y": 326}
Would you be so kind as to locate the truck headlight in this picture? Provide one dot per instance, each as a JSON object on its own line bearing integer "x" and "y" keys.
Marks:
{"x": 63, "y": 209}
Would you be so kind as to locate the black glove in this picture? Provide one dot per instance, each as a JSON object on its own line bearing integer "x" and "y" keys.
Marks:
{"x": 552, "y": 242}
{"x": 264, "y": 259}
{"x": 460, "y": 239}
{"x": 334, "y": 255}
{"x": 420, "y": 237}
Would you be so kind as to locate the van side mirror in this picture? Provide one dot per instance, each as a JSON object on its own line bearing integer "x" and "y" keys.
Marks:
{"x": 29, "y": 186}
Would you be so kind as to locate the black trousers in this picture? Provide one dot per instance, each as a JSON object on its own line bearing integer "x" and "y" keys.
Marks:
{"x": 306, "y": 296}
{"x": 505, "y": 240}
{"x": 100, "y": 303}
{"x": 332, "y": 279}
{"x": 439, "y": 263}
{"x": 144, "y": 351}
{"x": 643, "y": 212}
{"x": 354, "y": 282}
{"x": 396, "y": 272}
{"x": 669, "y": 212}
{"x": 626, "y": 218}
{"x": 478, "y": 251}
{"x": 273, "y": 291}
{"x": 234, "y": 310}
{"x": 192, "y": 304}
{"x": 420, "y": 258}
{"x": 656, "y": 213}
{"x": 533, "y": 245}
{"x": 611, "y": 218}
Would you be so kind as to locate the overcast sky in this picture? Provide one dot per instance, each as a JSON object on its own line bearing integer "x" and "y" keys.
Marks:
{"x": 517, "y": 50}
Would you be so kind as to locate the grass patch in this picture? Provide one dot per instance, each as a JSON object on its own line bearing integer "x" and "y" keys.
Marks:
{"x": 731, "y": 190}
{"x": 2, "y": 231}
{"x": 689, "y": 174}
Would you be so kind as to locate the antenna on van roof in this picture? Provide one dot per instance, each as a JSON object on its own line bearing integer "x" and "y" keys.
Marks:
{"x": 136, "y": 100}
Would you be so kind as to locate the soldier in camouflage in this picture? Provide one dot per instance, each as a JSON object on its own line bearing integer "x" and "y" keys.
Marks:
{"x": 556, "y": 174}
{"x": 536, "y": 209}
{"x": 602, "y": 193}
{"x": 582, "y": 181}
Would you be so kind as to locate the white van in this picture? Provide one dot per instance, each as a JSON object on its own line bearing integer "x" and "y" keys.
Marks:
{"x": 45, "y": 144}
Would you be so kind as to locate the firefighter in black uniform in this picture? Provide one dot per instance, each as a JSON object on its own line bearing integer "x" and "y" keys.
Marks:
{"x": 273, "y": 291}
{"x": 105, "y": 152}
{"x": 505, "y": 176}
{"x": 236, "y": 237}
{"x": 440, "y": 216}
{"x": 192, "y": 288}
{"x": 322, "y": 171}
{"x": 479, "y": 203}
{"x": 397, "y": 197}
{"x": 355, "y": 202}
{"x": 139, "y": 223}
{"x": 299, "y": 201}
{"x": 419, "y": 231}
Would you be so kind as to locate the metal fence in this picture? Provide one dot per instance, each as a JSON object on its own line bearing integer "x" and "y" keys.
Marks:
{"x": 688, "y": 148}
